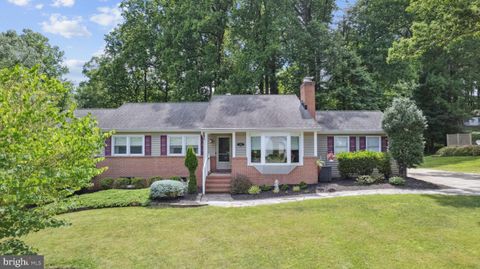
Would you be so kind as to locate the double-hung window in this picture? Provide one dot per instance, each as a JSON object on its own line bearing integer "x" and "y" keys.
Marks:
{"x": 341, "y": 144}
{"x": 275, "y": 148}
{"x": 373, "y": 143}
{"x": 125, "y": 145}
{"x": 178, "y": 144}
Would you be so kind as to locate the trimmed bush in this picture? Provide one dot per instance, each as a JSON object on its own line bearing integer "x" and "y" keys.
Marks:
{"x": 265, "y": 187}
{"x": 351, "y": 164}
{"x": 303, "y": 185}
{"x": 121, "y": 183}
{"x": 153, "y": 179}
{"x": 176, "y": 178}
{"x": 396, "y": 181}
{"x": 365, "y": 180}
{"x": 139, "y": 183}
{"x": 164, "y": 189}
{"x": 284, "y": 187}
{"x": 254, "y": 190}
{"x": 240, "y": 184}
{"x": 106, "y": 183}
{"x": 191, "y": 162}
{"x": 459, "y": 151}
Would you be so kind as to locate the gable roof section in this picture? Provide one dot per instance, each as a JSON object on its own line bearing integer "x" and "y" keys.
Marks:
{"x": 353, "y": 121}
{"x": 150, "y": 116}
{"x": 257, "y": 112}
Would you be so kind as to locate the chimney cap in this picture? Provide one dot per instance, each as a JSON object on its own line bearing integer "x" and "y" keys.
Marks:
{"x": 307, "y": 79}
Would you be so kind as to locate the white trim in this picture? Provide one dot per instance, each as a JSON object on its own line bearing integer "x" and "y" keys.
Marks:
{"x": 128, "y": 137}
{"x": 315, "y": 144}
{"x": 334, "y": 144}
{"x": 263, "y": 136}
{"x": 234, "y": 145}
{"x": 379, "y": 142}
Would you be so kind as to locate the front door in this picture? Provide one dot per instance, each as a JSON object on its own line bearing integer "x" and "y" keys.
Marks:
{"x": 223, "y": 153}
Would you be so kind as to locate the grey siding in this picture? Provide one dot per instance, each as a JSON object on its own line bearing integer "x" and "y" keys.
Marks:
{"x": 155, "y": 144}
{"x": 308, "y": 144}
{"x": 241, "y": 150}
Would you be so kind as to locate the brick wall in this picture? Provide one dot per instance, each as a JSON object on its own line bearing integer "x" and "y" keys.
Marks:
{"x": 307, "y": 172}
{"x": 147, "y": 166}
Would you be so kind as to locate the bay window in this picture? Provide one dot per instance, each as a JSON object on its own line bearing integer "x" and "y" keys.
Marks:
{"x": 341, "y": 144}
{"x": 373, "y": 143}
{"x": 178, "y": 144}
{"x": 128, "y": 145}
{"x": 275, "y": 148}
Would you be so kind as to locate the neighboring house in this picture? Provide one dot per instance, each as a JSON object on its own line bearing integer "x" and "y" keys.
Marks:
{"x": 472, "y": 122}
{"x": 264, "y": 137}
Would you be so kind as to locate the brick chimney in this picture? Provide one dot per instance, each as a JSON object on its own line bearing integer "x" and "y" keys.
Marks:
{"x": 307, "y": 95}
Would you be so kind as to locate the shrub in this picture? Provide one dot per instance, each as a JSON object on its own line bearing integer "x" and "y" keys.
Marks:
{"x": 459, "y": 151}
{"x": 284, "y": 187}
{"x": 167, "y": 189}
{"x": 153, "y": 179}
{"x": 303, "y": 185}
{"x": 475, "y": 137}
{"x": 265, "y": 187}
{"x": 365, "y": 180}
{"x": 106, "y": 183}
{"x": 254, "y": 190}
{"x": 240, "y": 184}
{"x": 296, "y": 188}
{"x": 191, "y": 162}
{"x": 396, "y": 181}
{"x": 121, "y": 183}
{"x": 176, "y": 178}
{"x": 351, "y": 164}
{"x": 139, "y": 183}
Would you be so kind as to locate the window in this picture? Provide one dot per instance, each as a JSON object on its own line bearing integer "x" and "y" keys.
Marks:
{"x": 373, "y": 143}
{"x": 295, "y": 149}
{"x": 194, "y": 142}
{"x": 256, "y": 149}
{"x": 178, "y": 144}
{"x": 128, "y": 145}
{"x": 275, "y": 148}
{"x": 341, "y": 144}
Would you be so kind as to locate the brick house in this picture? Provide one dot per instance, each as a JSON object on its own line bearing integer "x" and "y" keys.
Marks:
{"x": 264, "y": 137}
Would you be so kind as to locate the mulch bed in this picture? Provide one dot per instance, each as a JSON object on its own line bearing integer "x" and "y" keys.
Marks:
{"x": 352, "y": 185}
{"x": 270, "y": 194}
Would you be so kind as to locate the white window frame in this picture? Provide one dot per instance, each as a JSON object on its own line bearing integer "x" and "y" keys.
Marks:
{"x": 263, "y": 136}
{"x": 379, "y": 142}
{"x": 184, "y": 144}
{"x": 128, "y": 137}
{"x": 335, "y": 144}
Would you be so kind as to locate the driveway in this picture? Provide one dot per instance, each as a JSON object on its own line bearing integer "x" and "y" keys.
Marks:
{"x": 467, "y": 183}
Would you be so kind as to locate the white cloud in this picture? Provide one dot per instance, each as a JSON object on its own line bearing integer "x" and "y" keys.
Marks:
{"x": 63, "y": 3}
{"x": 107, "y": 16}
{"x": 39, "y": 6}
{"x": 21, "y": 3}
{"x": 75, "y": 68}
{"x": 61, "y": 25}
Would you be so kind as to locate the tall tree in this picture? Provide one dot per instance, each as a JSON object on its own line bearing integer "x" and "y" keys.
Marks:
{"x": 445, "y": 43}
{"x": 29, "y": 49}
{"x": 46, "y": 153}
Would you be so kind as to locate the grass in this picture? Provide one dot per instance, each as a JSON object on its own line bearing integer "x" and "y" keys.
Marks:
{"x": 466, "y": 164}
{"x": 104, "y": 199}
{"x": 394, "y": 231}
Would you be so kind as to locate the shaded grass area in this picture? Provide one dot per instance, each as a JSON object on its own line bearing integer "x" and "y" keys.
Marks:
{"x": 465, "y": 164}
{"x": 103, "y": 199}
{"x": 396, "y": 231}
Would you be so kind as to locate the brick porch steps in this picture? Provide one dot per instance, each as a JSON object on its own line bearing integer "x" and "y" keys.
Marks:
{"x": 218, "y": 183}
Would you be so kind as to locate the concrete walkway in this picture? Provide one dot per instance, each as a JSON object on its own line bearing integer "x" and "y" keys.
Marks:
{"x": 469, "y": 183}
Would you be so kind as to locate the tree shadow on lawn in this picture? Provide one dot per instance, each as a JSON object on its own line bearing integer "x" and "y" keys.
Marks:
{"x": 459, "y": 201}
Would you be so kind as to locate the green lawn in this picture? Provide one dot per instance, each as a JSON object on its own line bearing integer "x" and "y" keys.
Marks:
{"x": 464, "y": 164}
{"x": 104, "y": 199}
{"x": 397, "y": 231}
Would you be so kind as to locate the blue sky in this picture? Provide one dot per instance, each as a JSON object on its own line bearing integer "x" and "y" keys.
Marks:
{"x": 76, "y": 26}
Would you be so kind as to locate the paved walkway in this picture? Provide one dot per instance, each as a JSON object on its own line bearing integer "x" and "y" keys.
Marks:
{"x": 451, "y": 180}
